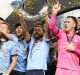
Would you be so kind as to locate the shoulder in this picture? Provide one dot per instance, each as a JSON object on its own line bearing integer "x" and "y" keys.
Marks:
{"x": 77, "y": 36}
{"x": 11, "y": 43}
{"x": 14, "y": 37}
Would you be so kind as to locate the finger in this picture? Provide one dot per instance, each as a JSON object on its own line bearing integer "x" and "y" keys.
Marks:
{"x": 60, "y": 5}
{"x": 57, "y": 4}
{"x": 20, "y": 14}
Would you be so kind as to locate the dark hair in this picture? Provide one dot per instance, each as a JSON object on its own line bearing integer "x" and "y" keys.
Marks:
{"x": 53, "y": 40}
{"x": 39, "y": 24}
{"x": 75, "y": 20}
{"x": 18, "y": 24}
{"x": 2, "y": 19}
{"x": 78, "y": 18}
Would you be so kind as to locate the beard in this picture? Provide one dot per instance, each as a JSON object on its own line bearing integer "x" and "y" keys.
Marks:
{"x": 38, "y": 37}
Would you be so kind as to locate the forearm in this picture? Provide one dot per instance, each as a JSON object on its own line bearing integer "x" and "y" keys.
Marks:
{"x": 12, "y": 65}
{"x": 52, "y": 24}
{"x": 46, "y": 27}
{"x": 8, "y": 36}
{"x": 25, "y": 29}
{"x": 23, "y": 24}
{"x": 47, "y": 33}
{"x": 27, "y": 36}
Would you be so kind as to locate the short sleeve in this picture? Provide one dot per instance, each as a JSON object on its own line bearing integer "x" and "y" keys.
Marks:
{"x": 13, "y": 50}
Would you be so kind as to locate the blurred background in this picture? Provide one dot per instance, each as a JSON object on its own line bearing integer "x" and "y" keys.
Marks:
{"x": 69, "y": 7}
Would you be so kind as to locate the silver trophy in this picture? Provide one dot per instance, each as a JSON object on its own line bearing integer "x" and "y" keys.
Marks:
{"x": 28, "y": 16}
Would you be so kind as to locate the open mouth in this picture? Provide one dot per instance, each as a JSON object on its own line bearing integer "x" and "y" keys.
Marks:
{"x": 65, "y": 26}
{"x": 18, "y": 32}
{"x": 36, "y": 34}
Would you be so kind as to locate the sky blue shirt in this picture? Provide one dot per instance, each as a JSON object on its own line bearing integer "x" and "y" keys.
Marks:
{"x": 38, "y": 54}
{"x": 22, "y": 55}
{"x": 7, "y": 50}
{"x": 14, "y": 38}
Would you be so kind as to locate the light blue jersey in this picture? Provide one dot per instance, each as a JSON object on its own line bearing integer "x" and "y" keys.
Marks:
{"x": 14, "y": 38}
{"x": 7, "y": 50}
{"x": 22, "y": 55}
{"x": 38, "y": 54}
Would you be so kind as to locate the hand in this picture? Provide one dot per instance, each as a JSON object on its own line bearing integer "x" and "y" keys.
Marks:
{"x": 70, "y": 46}
{"x": 56, "y": 7}
{"x": 44, "y": 15}
{"x": 44, "y": 11}
{"x": 20, "y": 15}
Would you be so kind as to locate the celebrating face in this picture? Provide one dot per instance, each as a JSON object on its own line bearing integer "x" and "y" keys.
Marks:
{"x": 4, "y": 28}
{"x": 38, "y": 33}
{"x": 69, "y": 24}
{"x": 19, "y": 31}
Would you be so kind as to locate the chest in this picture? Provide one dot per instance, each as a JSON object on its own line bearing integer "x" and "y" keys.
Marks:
{"x": 5, "y": 49}
{"x": 64, "y": 40}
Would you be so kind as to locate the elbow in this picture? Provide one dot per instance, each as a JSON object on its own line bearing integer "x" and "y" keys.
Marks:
{"x": 14, "y": 60}
{"x": 50, "y": 27}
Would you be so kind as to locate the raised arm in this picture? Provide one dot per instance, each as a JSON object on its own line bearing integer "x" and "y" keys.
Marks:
{"x": 52, "y": 24}
{"x": 46, "y": 24}
{"x": 24, "y": 26}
